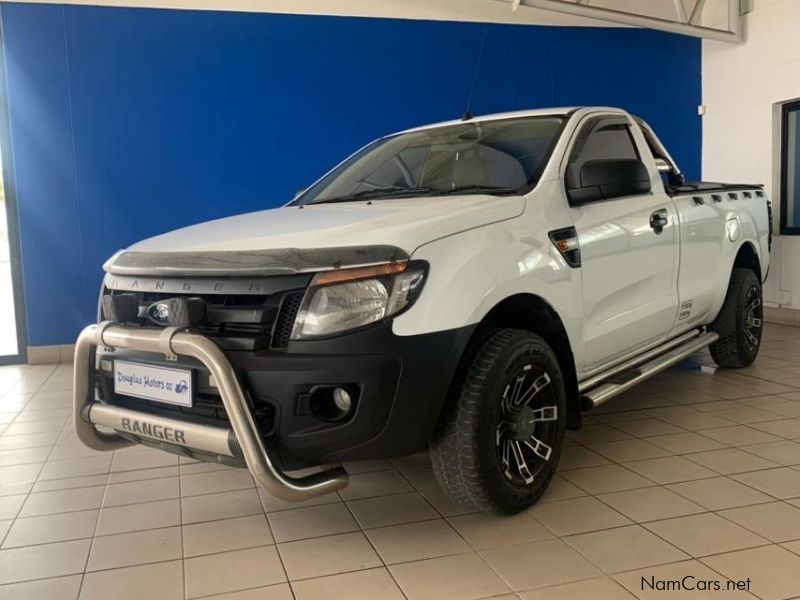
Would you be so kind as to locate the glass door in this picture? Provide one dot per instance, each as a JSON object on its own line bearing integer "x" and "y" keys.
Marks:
{"x": 13, "y": 338}
{"x": 12, "y": 312}
{"x": 9, "y": 343}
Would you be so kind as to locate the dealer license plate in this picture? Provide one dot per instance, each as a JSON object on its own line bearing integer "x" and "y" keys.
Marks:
{"x": 160, "y": 384}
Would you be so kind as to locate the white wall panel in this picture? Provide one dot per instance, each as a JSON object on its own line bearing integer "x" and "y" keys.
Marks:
{"x": 742, "y": 84}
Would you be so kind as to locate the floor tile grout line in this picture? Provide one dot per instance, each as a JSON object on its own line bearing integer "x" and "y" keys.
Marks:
{"x": 289, "y": 541}
{"x": 727, "y": 476}
{"x": 603, "y": 575}
{"x": 527, "y": 589}
{"x": 85, "y": 573}
{"x": 94, "y": 537}
{"x": 112, "y": 473}
{"x": 369, "y": 541}
{"x": 762, "y": 490}
{"x": 470, "y": 546}
{"x": 38, "y": 474}
{"x": 721, "y": 514}
{"x": 248, "y": 589}
{"x": 688, "y": 555}
{"x": 388, "y": 566}
{"x": 745, "y": 449}
{"x": 130, "y": 566}
{"x": 206, "y": 554}
{"x": 755, "y": 376}
{"x": 634, "y": 521}
{"x": 49, "y": 578}
{"x": 728, "y": 382}
{"x": 277, "y": 546}
{"x": 180, "y": 525}
{"x": 720, "y": 473}
{"x": 725, "y": 577}
{"x": 616, "y": 576}
{"x": 624, "y": 464}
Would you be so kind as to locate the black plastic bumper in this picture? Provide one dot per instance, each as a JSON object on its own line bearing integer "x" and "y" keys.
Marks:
{"x": 401, "y": 382}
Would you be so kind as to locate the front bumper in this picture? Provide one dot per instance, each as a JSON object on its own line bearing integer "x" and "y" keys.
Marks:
{"x": 401, "y": 381}
{"x": 243, "y": 440}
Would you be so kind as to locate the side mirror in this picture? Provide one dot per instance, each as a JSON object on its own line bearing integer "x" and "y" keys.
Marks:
{"x": 607, "y": 178}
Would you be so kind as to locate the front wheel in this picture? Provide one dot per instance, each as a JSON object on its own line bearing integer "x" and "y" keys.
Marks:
{"x": 739, "y": 323}
{"x": 501, "y": 438}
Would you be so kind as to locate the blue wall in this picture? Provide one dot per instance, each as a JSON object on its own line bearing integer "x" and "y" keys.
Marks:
{"x": 130, "y": 122}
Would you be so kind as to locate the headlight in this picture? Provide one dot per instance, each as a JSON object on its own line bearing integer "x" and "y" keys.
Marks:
{"x": 346, "y": 299}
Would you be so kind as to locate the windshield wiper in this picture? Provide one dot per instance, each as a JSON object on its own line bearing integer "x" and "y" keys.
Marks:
{"x": 397, "y": 192}
{"x": 477, "y": 189}
{"x": 386, "y": 192}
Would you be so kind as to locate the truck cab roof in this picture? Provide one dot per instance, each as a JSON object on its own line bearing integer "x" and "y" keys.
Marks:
{"x": 539, "y": 112}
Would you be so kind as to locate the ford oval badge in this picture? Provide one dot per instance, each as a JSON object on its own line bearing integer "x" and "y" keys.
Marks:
{"x": 158, "y": 313}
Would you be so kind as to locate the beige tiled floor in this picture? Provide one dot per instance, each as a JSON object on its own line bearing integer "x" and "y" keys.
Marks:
{"x": 696, "y": 472}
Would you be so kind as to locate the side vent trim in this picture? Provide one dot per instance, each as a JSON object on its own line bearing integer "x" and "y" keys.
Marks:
{"x": 566, "y": 242}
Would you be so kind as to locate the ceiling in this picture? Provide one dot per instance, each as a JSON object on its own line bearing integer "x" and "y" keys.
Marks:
{"x": 700, "y": 18}
{"x": 714, "y": 19}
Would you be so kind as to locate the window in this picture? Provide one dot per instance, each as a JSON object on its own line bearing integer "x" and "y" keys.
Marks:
{"x": 790, "y": 169}
{"x": 604, "y": 163}
{"x": 502, "y": 156}
{"x": 606, "y": 141}
{"x": 402, "y": 169}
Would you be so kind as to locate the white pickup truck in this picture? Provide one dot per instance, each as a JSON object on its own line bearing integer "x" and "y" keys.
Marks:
{"x": 470, "y": 286}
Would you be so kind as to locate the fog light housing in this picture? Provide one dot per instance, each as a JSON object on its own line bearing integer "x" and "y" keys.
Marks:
{"x": 332, "y": 403}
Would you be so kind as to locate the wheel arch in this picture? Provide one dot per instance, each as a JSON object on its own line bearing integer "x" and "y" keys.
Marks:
{"x": 534, "y": 314}
{"x": 747, "y": 258}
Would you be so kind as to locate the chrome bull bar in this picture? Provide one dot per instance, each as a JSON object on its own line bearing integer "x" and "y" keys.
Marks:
{"x": 242, "y": 439}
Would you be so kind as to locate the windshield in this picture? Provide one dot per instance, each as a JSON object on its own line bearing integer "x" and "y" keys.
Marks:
{"x": 504, "y": 156}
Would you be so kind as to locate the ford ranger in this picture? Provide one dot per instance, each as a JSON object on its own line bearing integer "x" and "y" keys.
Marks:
{"x": 471, "y": 287}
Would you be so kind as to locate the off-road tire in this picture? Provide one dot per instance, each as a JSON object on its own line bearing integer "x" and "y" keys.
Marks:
{"x": 464, "y": 453}
{"x": 736, "y": 347}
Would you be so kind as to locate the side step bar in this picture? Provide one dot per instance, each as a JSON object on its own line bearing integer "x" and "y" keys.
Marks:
{"x": 242, "y": 440}
{"x": 604, "y": 386}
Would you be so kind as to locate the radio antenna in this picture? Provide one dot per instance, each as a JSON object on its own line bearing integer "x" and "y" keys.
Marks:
{"x": 467, "y": 114}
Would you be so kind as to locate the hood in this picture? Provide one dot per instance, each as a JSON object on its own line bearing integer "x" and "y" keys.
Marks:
{"x": 403, "y": 223}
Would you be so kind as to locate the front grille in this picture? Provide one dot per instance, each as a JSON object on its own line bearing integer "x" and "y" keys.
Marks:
{"x": 251, "y": 322}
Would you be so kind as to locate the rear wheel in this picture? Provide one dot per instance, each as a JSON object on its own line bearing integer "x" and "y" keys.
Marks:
{"x": 739, "y": 323}
{"x": 502, "y": 436}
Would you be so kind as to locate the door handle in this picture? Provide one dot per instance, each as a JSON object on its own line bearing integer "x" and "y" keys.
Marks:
{"x": 659, "y": 220}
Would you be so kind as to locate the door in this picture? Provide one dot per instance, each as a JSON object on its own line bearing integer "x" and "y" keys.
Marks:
{"x": 628, "y": 242}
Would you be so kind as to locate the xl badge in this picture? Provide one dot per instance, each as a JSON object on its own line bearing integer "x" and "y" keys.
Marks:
{"x": 158, "y": 313}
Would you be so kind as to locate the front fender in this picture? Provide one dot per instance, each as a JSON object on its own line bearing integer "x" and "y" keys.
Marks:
{"x": 472, "y": 272}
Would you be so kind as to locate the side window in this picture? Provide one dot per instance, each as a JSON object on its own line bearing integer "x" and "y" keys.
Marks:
{"x": 604, "y": 142}
{"x": 604, "y": 163}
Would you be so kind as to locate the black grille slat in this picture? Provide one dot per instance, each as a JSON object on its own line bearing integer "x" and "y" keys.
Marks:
{"x": 255, "y": 314}
{"x": 286, "y": 316}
